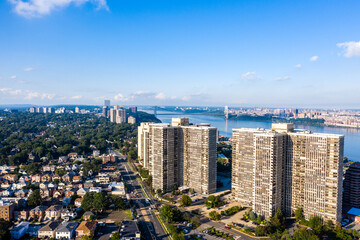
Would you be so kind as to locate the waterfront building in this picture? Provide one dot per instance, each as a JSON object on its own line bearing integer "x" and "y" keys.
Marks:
{"x": 198, "y": 166}
{"x": 144, "y": 144}
{"x": 286, "y": 168}
{"x": 351, "y": 196}
{"x": 179, "y": 154}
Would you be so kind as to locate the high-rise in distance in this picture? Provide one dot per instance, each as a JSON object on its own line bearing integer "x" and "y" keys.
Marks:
{"x": 288, "y": 169}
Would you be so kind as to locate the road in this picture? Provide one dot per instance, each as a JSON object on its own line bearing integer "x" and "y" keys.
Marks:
{"x": 148, "y": 221}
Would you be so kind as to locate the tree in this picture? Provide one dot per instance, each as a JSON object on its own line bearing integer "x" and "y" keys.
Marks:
{"x": 261, "y": 230}
{"x": 132, "y": 155}
{"x": 115, "y": 236}
{"x": 32, "y": 168}
{"x": 86, "y": 237}
{"x": 329, "y": 225}
{"x": 195, "y": 220}
{"x": 4, "y": 229}
{"x": 159, "y": 192}
{"x": 299, "y": 215}
{"x": 316, "y": 223}
{"x": 305, "y": 234}
{"x": 215, "y": 215}
{"x": 87, "y": 201}
{"x": 252, "y": 215}
{"x": 277, "y": 222}
{"x": 34, "y": 198}
{"x": 100, "y": 201}
{"x": 169, "y": 214}
{"x": 185, "y": 200}
{"x": 212, "y": 201}
{"x": 60, "y": 171}
{"x": 166, "y": 213}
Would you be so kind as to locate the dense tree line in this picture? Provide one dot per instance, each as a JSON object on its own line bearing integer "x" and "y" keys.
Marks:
{"x": 54, "y": 135}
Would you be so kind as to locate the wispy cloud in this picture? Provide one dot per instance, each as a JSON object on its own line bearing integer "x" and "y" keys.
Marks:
{"x": 121, "y": 98}
{"x": 27, "y": 94}
{"x": 250, "y": 76}
{"x": 314, "y": 58}
{"x": 13, "y": 77}
{"x": 298, "y": 66}
{"x": 351, "y": 49}
{"x": 284, "y": 78}
{"x": 160, "y": 96}
{"x": 76, "y": 97}
{"x": 38, "y": 8}
{"x": 28, "y": 69}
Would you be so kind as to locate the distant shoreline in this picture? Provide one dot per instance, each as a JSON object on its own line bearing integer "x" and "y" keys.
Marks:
{"x": 271, "y": 119}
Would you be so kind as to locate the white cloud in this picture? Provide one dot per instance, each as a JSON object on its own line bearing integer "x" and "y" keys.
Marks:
{"x": 26, "y": 94}
{"x": 120, "y": 97}
{"x": 37, "y": 8}
{"x": 314, "y": 58}
{"x": 352, "y": 49}
{"x": 284, "y": 78}
{"x": 28, "y": 69}
{"x": 298, "y": 66}
{"x": 13, "y": 76}
{"x": 160, "y": 96}
{"x": 251, "y": 76}
{"x": 76, "y": 97}
{"x": 185, "y": 98}
{"x": 4, "y": 90}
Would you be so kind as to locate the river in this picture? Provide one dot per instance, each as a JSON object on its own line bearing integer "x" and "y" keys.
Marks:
{"x": 352, "y": 136}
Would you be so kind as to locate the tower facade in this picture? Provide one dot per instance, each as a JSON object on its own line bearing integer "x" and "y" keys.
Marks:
{"x": 286, "y": 168}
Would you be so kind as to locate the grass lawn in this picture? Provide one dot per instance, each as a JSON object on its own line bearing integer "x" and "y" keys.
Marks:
{"x": 115, "y": 216}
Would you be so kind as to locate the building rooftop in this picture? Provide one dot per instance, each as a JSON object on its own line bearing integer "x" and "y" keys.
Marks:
{"x": 354, "y": 211}
{"x": 51, "y": 226}
{"x": 67, "y": 227}
{"x": 128, "y": 229}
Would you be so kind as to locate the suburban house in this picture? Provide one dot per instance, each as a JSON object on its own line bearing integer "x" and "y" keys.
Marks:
{"x": 66, "y": 230}
{"x": 38, "y": 212}
{"x": 49, "y": 230}
{"x": 19, "y": 230}
{"x": 53, "y": 212}
{"x": 86, "y": 228}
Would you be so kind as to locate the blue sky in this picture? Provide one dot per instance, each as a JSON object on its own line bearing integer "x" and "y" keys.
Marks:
{"x": 181, "y": 52}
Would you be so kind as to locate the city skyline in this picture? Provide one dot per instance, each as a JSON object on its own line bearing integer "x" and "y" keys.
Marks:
{"x": 239, "y": 53}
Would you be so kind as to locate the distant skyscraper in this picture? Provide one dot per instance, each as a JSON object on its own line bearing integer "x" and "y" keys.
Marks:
{"x": 107, "y": 103}
{"x": 77, "y": 110}
{"x": 105, "y": 111}
{"x": 32, "y": 110}
{"x": 289, "y": 169}
{"x": 133, "y": 110}
{"x": 121, "y": 115}
{"x": 112, "y": 115}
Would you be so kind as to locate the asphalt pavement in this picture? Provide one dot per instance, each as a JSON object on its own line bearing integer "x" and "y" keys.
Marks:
{"x": 151, "y": 226}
